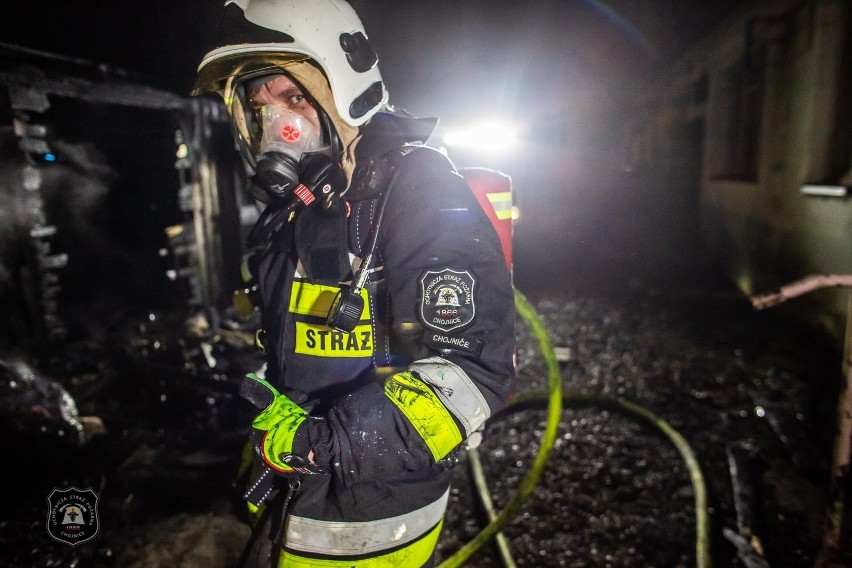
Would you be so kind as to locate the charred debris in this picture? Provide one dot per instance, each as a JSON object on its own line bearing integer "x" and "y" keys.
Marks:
{"x": 120, "y": 251}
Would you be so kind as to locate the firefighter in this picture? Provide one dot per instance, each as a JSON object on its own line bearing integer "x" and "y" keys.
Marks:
{"x": 387, "y": 306}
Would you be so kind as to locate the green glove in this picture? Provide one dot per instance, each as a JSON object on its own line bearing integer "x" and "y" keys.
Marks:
{"x": 278, "y": 423}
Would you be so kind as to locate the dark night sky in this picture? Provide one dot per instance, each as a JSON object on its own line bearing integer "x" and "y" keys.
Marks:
{"x": 437, "y": 56}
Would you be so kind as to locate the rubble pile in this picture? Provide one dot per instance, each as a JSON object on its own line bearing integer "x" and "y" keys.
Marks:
{"x": 615, "y": 492}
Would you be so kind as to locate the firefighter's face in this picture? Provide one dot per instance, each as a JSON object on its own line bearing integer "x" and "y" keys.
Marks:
{"x": 284, "y": 92}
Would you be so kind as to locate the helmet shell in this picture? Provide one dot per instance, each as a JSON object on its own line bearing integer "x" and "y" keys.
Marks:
{"x": 328, "y": 32}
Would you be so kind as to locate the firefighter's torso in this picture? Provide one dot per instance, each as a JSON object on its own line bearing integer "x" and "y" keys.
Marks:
{"x": 301, "y": 273}
{"x": 306, "y": 264}
{"x": 437, "y": 307}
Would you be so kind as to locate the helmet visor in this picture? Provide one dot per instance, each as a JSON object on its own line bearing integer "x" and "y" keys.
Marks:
{"x": 218, "y": 73}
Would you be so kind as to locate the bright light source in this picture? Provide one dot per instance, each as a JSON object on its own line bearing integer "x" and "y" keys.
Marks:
{"x": 485, "y": 136}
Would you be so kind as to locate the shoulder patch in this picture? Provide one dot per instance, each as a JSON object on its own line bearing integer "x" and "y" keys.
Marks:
{"x": 447, "y": 299}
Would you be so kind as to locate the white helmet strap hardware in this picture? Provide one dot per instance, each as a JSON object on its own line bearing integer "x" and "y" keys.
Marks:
{"x": 359, "y": 52}
{"x": 367, "y": 100}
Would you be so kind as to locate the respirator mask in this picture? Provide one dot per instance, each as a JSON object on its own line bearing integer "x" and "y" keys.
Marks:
{"x": 286, "y": 137}
{"x": 274, "y": 135}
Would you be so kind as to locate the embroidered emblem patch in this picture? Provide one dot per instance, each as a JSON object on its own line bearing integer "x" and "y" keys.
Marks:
{"x": 72, "y": 515}
{"x": 447, "y": 299}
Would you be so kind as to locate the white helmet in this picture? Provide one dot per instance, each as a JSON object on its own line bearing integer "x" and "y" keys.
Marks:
{"x": 269, "y": 34}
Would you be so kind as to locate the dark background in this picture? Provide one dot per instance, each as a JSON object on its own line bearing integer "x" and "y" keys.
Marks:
{"x": 564, "y": 73}
{"x": 437, "y": 57}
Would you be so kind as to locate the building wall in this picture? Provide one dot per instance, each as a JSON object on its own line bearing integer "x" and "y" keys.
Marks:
{"x": 776, "y": 118}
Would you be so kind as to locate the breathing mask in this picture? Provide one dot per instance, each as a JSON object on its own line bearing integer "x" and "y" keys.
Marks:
{"x": 286, "y": 136}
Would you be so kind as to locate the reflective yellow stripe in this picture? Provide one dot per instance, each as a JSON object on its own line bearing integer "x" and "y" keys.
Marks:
{"x": 502, "y": 203}
{"x": 315, "y": 299}
{"x": 415, "y": 554}
{"x": 322, "y": 341}
{"x": 425, "y": 411}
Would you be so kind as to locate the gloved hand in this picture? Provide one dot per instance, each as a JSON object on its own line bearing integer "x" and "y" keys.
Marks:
{"x": 274, "y": 429}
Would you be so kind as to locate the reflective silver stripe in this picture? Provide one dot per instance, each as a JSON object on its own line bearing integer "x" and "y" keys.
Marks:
{"x": 340, "y": 538}
{"x": 456, "y": 390}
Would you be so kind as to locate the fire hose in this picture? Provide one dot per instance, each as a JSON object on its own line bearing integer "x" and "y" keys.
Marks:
{"x": 554, "y": 399}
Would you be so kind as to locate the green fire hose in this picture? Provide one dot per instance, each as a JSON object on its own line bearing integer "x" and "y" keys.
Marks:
{"x": 554, "y": 399}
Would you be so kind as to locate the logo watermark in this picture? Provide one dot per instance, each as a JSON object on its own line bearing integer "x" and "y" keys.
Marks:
{"x": 72, "y": 515}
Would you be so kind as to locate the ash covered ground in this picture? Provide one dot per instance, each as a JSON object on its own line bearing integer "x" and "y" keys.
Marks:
{"x": 684, "y": 345}
{"x": 616, "y": 491}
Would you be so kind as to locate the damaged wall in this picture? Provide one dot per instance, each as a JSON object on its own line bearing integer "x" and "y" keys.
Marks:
{"x": 768, "y": 94}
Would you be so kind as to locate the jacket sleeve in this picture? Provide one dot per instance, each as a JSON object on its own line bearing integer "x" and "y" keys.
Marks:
{"x": 451, "y": 302}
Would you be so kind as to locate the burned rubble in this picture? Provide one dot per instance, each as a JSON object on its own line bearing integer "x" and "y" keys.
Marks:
{"x": 753, "y": 399}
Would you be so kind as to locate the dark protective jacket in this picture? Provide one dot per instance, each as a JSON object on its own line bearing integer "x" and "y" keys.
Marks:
{"x": 428, "y": 363}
